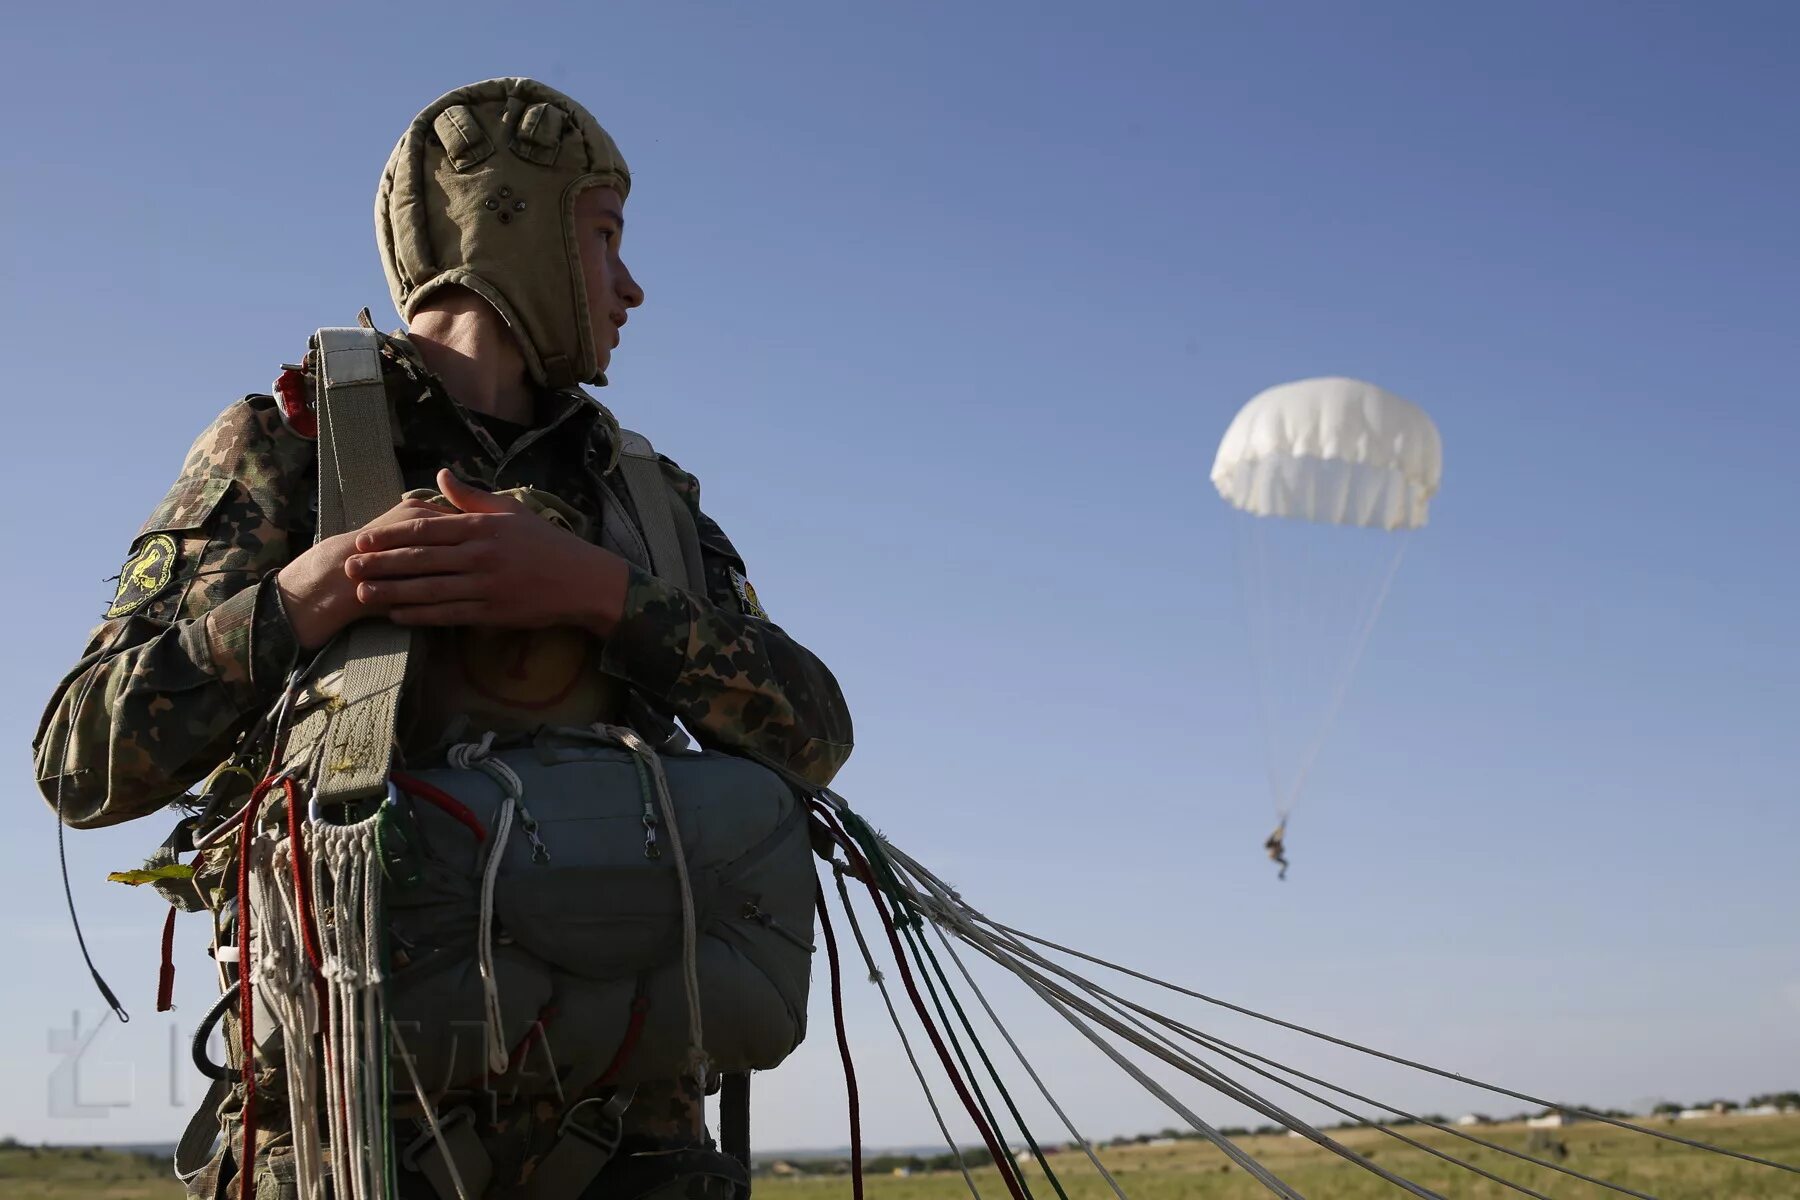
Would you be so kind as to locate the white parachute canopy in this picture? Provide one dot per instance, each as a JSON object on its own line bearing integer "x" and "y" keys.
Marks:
{"x": 1348, "y": 470}
{"x": 1334, "y": 450}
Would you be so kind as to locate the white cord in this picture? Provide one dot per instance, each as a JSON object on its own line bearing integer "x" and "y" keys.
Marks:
{"x": 347, "y": 878}
{"x": 279, "y": 976}
{"x": 698, "y": 1061}
{"x": 470, "y": 756}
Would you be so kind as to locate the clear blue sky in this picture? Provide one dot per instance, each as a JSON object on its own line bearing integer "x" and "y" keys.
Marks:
{"x": 948, "y": 307}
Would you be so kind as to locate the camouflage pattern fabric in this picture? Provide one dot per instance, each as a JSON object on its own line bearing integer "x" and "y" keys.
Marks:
{"x": 196, "y": 647}
{"x": 664, "y": 1114}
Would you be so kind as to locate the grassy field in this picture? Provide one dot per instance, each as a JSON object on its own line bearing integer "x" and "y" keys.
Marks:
{"x": 30, "y": 1173}
{"x": 1184, "y": 1171}
{"x": 1195, "y": 1171}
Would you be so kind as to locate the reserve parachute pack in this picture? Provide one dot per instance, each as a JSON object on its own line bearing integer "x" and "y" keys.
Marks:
{"x": 553, "y": 918}
{"x": 588, "y": 914}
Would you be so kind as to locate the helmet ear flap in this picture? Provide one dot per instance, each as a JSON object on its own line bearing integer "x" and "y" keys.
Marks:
{"x": 538, "y": 134}
{"x": 466, "y": 144}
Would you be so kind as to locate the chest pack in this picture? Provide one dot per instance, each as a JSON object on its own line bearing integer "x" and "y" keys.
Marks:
{"x": 587, "y": 916}
{"x": 544, "y": 919}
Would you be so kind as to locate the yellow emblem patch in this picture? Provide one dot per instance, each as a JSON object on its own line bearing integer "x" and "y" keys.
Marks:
{"x": 747, "y": 597}
{"x": 145, "y": 575}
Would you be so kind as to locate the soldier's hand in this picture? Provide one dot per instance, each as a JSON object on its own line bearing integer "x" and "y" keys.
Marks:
{"x": 319, "y": 599}
{"x": 493, "y": 562}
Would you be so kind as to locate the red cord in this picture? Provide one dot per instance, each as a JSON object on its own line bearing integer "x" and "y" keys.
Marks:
{"x": 634, "y": 1029}
{"x": 165, "y": 980}
{"x": 640, "y": 1004}
{"x": 843, "y": 1040}
{"x": 303, "y": 900}
{"x": 531, "y": 1035}
{"x": 860, "y": 868}
{"x": 303, "y": 897}
{"x": 414, "y": 786}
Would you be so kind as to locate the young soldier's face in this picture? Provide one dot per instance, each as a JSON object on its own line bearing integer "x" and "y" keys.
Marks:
{"x": 611, "y": 291}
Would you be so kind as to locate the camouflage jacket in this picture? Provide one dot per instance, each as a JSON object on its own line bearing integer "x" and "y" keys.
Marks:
{"x": 196, "y": 646}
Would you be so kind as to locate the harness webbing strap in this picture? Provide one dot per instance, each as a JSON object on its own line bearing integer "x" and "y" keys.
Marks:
{"x": 452, "y": 1158}
{"x": 668, "y": 526}
{"x": 359, "y": 479}
{"x": 194, "y": 1151}
{"x": 345, "y": 745}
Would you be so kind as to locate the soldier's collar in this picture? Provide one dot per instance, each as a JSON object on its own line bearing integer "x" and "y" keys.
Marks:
{"x": 560, "y": 406}
{"x": 603, "y": 428}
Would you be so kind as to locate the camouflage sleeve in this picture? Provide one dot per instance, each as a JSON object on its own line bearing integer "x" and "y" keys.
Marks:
{"x": 195, "y": 643}
{"x": 716, "y": 661}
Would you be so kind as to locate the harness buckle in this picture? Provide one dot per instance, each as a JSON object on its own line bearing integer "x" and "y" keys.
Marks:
{"x": 609, "y": 1124}
{"x": 315, "y": 814}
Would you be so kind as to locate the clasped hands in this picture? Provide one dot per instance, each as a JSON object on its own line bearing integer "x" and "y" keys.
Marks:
{"x": 480, "y": 559}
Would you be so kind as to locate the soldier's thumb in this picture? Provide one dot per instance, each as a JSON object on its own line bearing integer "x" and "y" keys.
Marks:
{"x": 469, "y": 498}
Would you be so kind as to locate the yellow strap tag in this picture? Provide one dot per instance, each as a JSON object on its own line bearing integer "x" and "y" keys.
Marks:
{"x": 145, "y": 575}
{"x": 142, "y": 875}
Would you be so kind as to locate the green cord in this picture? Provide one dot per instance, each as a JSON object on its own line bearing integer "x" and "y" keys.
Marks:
{"x": 956, "y": 1045}
{"x": 999, "y": 1083}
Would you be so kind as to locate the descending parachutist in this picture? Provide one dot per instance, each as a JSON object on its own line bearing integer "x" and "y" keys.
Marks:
{"x": 1276, "y": 852}
{"x": 1340, "y": 472}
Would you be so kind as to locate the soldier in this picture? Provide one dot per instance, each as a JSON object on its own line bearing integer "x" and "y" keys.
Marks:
{"x": 499, "y": 218}
{"x": 1275, "y": 847}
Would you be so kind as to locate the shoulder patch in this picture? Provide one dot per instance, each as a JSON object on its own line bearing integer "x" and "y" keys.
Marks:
{"x": 747, "y": 595}
{"x": 145, "y": 575}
